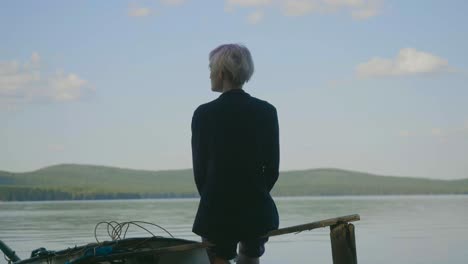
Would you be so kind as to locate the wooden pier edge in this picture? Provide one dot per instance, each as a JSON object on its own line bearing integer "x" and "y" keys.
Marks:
{"x": 343, "y": 241}
{"x": 314, "y": 225}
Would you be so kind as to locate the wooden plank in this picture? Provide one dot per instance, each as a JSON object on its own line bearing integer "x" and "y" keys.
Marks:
{"x": 343, "y": 244}
{"x": 313, "y": 225}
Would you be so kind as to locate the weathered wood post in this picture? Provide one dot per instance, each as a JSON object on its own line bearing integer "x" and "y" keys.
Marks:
{"x": 341, "y": 234}
{"x": 343, "y": 243}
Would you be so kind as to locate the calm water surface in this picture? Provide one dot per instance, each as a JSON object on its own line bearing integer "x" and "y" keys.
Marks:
{"x": 393, "y": 229}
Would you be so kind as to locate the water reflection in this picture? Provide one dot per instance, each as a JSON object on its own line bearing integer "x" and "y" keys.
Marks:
{"x": 406, "y": 229}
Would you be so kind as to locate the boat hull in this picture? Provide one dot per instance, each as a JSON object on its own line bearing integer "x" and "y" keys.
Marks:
{"x": 153, "y": 250}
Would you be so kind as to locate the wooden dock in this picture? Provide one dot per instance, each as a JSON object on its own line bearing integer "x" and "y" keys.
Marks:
{"x": 343, "y": 241}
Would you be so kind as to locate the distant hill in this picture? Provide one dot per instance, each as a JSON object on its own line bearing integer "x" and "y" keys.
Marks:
{"x": 71, "y": 181}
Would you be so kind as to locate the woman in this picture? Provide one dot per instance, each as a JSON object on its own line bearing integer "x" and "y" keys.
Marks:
{"x": 235, "y": 150}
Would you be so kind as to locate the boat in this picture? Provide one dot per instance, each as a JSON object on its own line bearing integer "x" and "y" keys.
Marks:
{"x": 170, "y": 250}
{"x": 142, "y": 250}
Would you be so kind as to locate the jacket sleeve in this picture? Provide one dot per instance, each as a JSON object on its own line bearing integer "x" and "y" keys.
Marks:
{"x": 271, "y": 169}
{"x": 198, "y": 155}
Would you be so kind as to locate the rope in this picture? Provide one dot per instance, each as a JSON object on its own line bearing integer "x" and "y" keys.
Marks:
{"x": 118, "y": 231}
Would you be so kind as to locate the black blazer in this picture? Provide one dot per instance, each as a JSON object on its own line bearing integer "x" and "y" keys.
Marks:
{"x": 235, "y": 151}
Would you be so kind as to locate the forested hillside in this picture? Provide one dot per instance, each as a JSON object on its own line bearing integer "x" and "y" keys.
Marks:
{"x": 76, "y": 182}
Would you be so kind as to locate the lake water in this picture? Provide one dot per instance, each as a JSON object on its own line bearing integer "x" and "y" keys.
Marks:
{"x": 393, "y": 229}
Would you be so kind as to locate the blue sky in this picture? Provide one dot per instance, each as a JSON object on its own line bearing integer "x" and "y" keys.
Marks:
{"x": 375, "y": 86}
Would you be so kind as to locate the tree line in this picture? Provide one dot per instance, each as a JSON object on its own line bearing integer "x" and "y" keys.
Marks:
{"x": 9, "y": 193}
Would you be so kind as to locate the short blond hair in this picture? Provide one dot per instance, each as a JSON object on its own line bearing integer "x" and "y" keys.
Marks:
{"x": 234, "y": 60}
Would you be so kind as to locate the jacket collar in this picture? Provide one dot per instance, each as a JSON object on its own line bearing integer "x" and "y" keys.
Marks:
{"x": 233, "y": 91}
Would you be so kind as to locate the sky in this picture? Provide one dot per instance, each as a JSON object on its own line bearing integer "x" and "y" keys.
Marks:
{"x": 376, "y": 86}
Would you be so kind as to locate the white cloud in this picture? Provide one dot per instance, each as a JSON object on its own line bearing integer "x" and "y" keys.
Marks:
{"x": 344, "y": 2}
{"x": 248, "y": 3}
{"x": 35, "y": 58}
{"x": 173, "y": 2}
{"x": 359, "y": 9}
{"x": 367, "y": 11}
{"x": 66, "y": 87}
{"x": 13, "y": 78}
{"x": 364, "y": 13}
{"x": 408, "y": 62}
{"x": 298, "y": 7}
{"x": 8, "y": 67}
{"x": 139, "y": 11}
{"x": 436, "y": 131}
{"x": 405, "y": 133}
{"x": 30, "y": 82}
{"x": 255, "y": 17}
